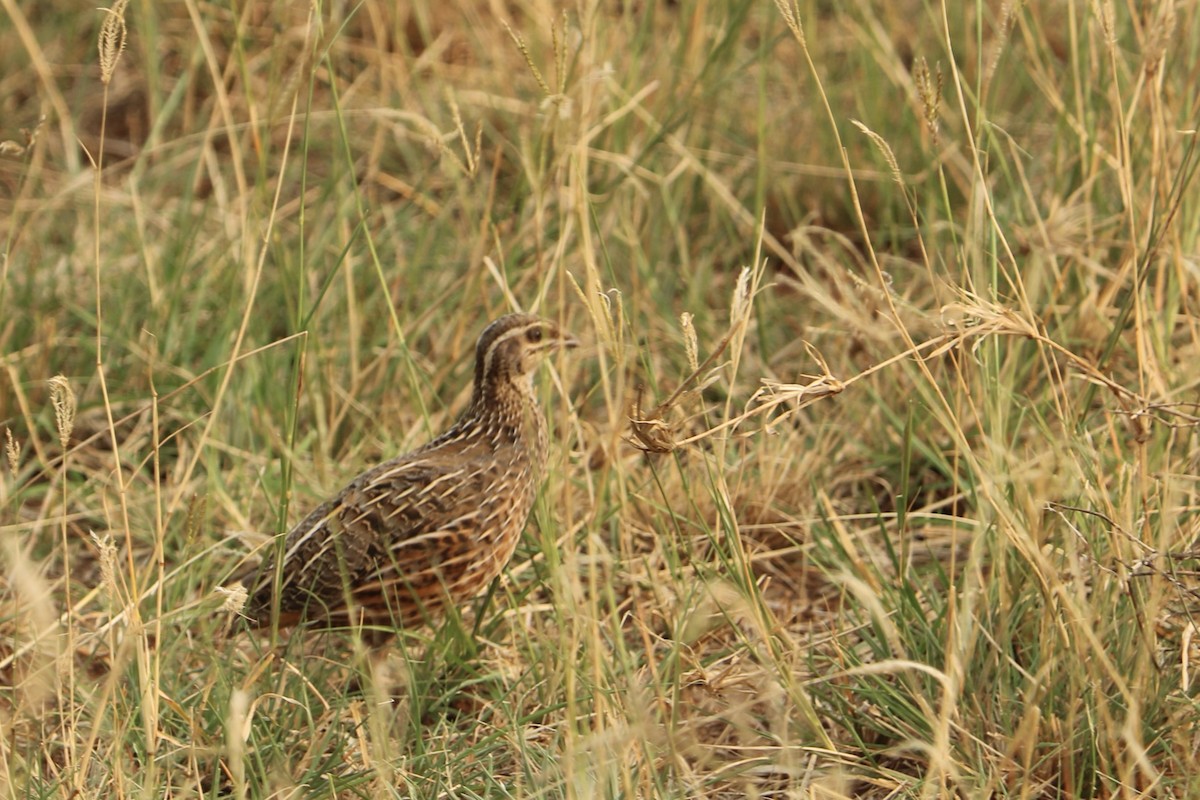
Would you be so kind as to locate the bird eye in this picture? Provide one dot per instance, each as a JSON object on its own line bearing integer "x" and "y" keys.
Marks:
{"x": 534, "y": 335}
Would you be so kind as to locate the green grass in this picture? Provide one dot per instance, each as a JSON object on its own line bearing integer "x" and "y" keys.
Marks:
{"x": 919, "y": 516}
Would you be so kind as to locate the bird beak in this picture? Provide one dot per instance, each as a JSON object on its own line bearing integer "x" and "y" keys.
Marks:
{"x": 569, "y": 342}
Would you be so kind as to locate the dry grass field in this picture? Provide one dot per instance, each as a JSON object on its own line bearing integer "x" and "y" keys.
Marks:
{"x": 876, "y": 474}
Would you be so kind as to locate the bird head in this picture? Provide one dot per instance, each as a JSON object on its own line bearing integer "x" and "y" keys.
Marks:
{"x": 510, "y": 349}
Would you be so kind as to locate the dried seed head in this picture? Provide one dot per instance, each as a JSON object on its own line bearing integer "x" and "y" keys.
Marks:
{"x": 884, "y": 149}
{"x": 739, "y": 310}
{"x": 519, "y": 41}
{"x": 108, "y": 564}
{"x": 12, "y": 148}
{"x": 1106, "y": 12}
{"x": 235, "y": 598}
{"x": 63, "y": 400}
{"x": 790, "y": 10}
{"x": 27, "y": 592}
{"x": 112, "y": 39}
{"x": 929, "y": 90}
{"x": 689, "y": 340}
{"x": 11, "y": 452}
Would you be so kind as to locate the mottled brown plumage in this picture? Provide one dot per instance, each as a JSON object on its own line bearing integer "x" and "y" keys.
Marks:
{"x": 432, "y": 527}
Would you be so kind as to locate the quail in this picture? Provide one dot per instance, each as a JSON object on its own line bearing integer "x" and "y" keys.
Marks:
{"x": 429, "y": 529}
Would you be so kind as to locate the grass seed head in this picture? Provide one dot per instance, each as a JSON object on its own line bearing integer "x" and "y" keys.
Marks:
{"x": 112, "y": 39}
{"x": 108, "y": 564}
{"x": 63, "y": 399}
{"x": 11, "y": 452}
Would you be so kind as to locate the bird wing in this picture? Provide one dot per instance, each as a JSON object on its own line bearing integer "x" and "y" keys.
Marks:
{"x": 397, "y": 517}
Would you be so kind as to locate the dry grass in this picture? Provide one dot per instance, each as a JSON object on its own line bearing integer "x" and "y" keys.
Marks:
{"x": 877, "y": 479}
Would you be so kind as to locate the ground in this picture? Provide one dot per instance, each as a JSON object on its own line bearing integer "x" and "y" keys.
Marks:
{"x": 875, "y": 475}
